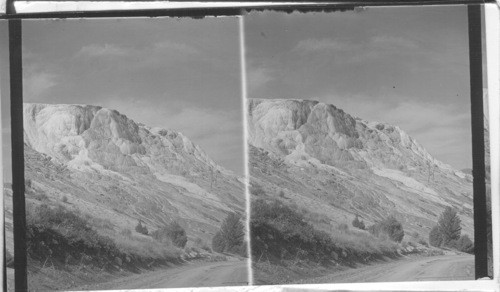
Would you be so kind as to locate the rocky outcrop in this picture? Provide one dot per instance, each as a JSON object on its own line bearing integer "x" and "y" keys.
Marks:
{"x": 336, "y": 165}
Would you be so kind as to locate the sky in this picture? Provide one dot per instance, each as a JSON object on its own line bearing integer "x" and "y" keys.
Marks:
{"x": 179, "y": 74}
{"x": 407, "y": 66}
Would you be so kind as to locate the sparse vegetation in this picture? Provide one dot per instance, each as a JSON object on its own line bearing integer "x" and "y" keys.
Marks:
{"x": 390, "y": 227}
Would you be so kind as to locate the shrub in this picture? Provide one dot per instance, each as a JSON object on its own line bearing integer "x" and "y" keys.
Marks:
{"x": 358, "y": 223}
{"x": 463, "y": 244}
{"x": 391, "y": 227}
{"x": 141, "y": 229}
{"x": 202, "y": 244}
{"x": 65, "y": 199}
{"x": 256, "y": 189}
{"x": 343, "y": 227}
{"x": 281, "y": 194}
{"x": 435, "y": 237}
{"x": 173, "y": 232}
{"x": 449, "y": 225}
{"x": 423, "y": 242}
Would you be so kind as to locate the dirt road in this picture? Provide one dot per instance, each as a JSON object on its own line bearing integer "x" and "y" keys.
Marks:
{"x": 439, "y": 268}
{"x": 229, "y": 273}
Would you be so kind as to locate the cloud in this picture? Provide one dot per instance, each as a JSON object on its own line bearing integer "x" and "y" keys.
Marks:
{"x": 36, "y": 83}
{"x": 322, "y": 45}
{"x": 168, "y": 46}
{"x": 257, "y": 77}
{"x": 144, "y": 53}
{"x": 105, "y": 50}
{"x": 391, "y": 42}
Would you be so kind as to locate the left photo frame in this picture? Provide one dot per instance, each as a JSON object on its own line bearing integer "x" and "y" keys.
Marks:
{"x": 133, "y": 154}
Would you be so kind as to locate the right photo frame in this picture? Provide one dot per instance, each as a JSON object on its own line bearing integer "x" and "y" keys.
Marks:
{"x": 360, "y": 145}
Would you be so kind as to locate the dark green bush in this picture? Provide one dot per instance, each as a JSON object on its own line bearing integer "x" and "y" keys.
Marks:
{"x": 391, "y": 227}
{"x": 463, "y": 244}
{"x": 141, "y": 229}
{"x": 358, "y": 223}
{"x": 173, "y": 232}
{"x": 256, "y": 189}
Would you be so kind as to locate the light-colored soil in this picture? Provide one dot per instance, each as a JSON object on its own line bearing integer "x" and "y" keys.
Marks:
{"x": 439, "y": 268}
{"x": 215, "y": 274}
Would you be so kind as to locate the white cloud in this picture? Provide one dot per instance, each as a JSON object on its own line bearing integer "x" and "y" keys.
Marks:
{"x": 36, "y": 83}
{"x": 257, "y": 77}
{"x": 317, "y": 45}
{"x": 168, "y": 46}
{"x": 106, "y": 50}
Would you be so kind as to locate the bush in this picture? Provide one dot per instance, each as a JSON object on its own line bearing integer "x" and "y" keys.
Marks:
{"x": 65, "y": 199}
{"x": 202, "y": 244}
{"x": 391, "y": 227}
{"x": 358, "y": 223}
{"x": 281, "y": 194}
{"x": 173, "y": 232}
{"x": 256, "y": 189}
{"x": 141, "y": 229}
{"x": 463, "y": 244}
{"x": 435, "y": 237}
{"x": 449, "y": 225}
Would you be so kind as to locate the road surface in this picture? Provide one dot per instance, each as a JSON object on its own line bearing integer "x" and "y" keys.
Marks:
{"x": 228, "y": 273}
{"x": 438, "y": 268}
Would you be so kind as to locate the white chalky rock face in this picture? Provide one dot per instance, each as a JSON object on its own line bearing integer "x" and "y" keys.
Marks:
{"x": 337, "y": 165}
{"x": 328, "y": 134}
{"x": 83, "y": 135}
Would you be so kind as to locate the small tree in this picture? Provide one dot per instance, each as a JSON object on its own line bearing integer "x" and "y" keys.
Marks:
{"x": 231, "y": 235}
{"x": 435, "y": 237}
{"x": 232, "y": 231}
{"x": 358, "y": 223}
{"x": 449, "y": 225}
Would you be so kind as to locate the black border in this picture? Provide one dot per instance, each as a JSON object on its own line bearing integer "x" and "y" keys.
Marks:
{"x": 477, "y": 127}
{"x": 16, "y": 95}
{"x": 16, "y": 111}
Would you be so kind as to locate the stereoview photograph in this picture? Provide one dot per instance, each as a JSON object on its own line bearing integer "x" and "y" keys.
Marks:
{"x": 133, "y": 143}
{"x": 359, "y": 136}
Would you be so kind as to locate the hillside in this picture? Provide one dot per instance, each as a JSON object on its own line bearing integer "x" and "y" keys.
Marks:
{"x": 112, "y": 168}
{"x": 322, "y": 159}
